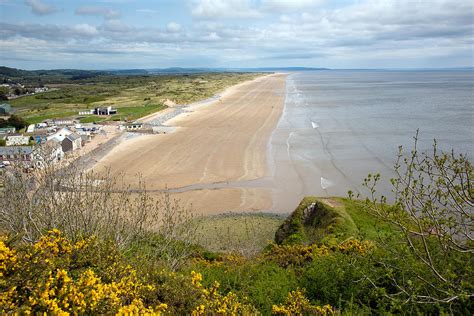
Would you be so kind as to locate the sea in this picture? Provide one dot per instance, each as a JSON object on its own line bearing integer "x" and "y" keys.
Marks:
{"x": 338, "y": 126}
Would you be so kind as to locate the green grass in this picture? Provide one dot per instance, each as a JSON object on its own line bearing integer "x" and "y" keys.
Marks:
{"x": 33, "y": 119}
{"x": 369, "y": 227}
{"x": 92, "y": 119}
{"x": 135, "y": 112}
{"x": 237, "y": 232}
{"x": 332, "y": 220}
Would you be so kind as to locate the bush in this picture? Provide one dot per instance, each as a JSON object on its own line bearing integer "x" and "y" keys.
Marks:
{"x": 431, "y": 263}
{"x": 17, "y": 122}
{"x": 90, "y": 276}
{"x": 262, "y": 283}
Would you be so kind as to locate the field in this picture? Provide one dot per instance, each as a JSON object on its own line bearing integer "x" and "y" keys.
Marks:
{"x": 133, "y": 96}
{"x": 242, "y": 233}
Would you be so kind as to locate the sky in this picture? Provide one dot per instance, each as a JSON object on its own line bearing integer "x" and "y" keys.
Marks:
{"x": 126, "y": 34}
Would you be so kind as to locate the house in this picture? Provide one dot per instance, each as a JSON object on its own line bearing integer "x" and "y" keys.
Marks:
{"x": 61, "y": 134}
{"x": 72, "y": 142}
{"x": 17, "y": 153}
{"x": 132, "y": 126}
{"x": 5, "y": 109}
{"x": 17, "y": 140}
{"x": 49, "y": 152}
{"x": 105, "y": 111}
{"x": 64, "y": 122}
{"x": 31, "y": 128}
{"x": 87, "y": 112}
{"x": 7, "y": 130}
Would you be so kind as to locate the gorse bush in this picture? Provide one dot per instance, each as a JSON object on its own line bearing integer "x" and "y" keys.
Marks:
{"x": 57, "y": 276}
{"x": 84, "y": 204}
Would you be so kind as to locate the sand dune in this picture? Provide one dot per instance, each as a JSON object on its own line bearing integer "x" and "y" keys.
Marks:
{"x": 224, "y": 141}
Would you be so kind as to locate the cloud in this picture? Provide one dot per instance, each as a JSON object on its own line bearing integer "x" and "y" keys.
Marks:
{"x": 221, "y": 9}
{"x": 107, "y": 13}
{"x": 40, "y": 8}
{"x": 85, "y": 29}
{"x": 147, "y": 11}
{"x": 173, "y": 27}
{"x": 289, "y": 5}
{"x": 349, "y": 35}
{"x": 117, "y": 26}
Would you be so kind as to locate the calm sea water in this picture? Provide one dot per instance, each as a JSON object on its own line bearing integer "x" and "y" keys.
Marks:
{"x": 338, "y": 126}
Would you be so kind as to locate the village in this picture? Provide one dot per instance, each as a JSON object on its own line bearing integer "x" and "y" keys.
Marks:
{"x": 58, "y": 140}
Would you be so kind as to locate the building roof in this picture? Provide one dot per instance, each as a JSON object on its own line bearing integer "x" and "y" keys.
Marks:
{"x": 73, "y": 137}
{"x": 53, "y": 143}
{"x": 17, "y": 136}
{"x": 4, "y": 130}
{"x": 15, "y": 150}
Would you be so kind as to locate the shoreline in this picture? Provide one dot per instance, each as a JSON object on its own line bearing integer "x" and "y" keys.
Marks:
{"x": 218, "y": 151}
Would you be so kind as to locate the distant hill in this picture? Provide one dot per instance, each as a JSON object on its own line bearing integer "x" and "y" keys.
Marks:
{"x": 30, "y": 76}
{"x": 71, "y": 73}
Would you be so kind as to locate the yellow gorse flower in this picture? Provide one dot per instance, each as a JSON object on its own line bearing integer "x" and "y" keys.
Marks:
{"x": 298, "y": 304}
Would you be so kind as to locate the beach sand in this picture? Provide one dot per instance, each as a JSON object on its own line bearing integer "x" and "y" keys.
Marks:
{"x": 215, "y": 147}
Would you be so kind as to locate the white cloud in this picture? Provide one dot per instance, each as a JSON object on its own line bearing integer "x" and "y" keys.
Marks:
{"x": 288, "y": 5}
{"x": 345, "y": 36}
{"x": 173, "y": 27}
{"x": 147, "y": 11}
{"x": 221, "y": 9}
{"x": 85, "y": 29}
{"x": 107, "y": 13}
{"x": 116, "y": 26}
{"x": 40, "y": 8}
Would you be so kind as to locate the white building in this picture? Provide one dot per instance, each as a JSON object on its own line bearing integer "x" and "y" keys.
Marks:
{"x": 17, "y": 140}
{"x": 31, "y": 128}
{"x": 61, "y": 134}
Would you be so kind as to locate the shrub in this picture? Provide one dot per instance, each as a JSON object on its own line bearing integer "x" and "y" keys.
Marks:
{"x": 297, "y": 304}
{"x": 433, "y": 212}
{"x": 57, "y": 276}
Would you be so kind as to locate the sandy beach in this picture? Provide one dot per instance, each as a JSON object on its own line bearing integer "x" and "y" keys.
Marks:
{"x": 216, "y": 146}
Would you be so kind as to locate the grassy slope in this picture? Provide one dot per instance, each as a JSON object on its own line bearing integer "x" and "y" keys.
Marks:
{"x": 335, "y": 219}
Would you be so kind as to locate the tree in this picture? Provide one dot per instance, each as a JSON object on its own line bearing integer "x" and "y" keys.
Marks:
{"x": 434, "y": 212}
{"x": 17, "y": 122}
{"x": 3, "y": 93}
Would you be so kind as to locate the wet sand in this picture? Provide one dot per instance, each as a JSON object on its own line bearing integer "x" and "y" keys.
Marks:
{"x": 216, "y": 149}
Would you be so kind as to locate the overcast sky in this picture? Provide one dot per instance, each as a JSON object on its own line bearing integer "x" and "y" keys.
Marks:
{"x": 104, "y": 34}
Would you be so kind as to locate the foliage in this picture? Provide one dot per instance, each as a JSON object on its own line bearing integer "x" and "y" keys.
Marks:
{"x": 215, "y": 303}
{"x": 86, "y": 204}
{"x": 315, "y": 221}
{"x": 434, "y": 213}
{"x": 14, "y": 121}
{"x": 59, "y": 277}
{"x": 298, "y": 255}
{"x": 263, "y": 282}
{"x": 297, "y": 304}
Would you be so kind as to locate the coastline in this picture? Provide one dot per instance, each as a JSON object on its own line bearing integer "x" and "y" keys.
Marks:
{"x": 218, "y": 147}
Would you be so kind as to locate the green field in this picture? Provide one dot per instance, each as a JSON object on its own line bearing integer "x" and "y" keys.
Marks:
{"x": 133, "y": 96}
